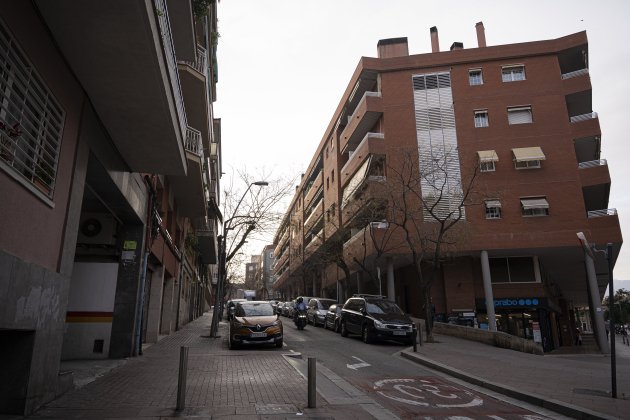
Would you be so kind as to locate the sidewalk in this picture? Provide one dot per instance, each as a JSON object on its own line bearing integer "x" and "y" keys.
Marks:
{"x": 576, "y": 385}
{"x": 222, "y": 384}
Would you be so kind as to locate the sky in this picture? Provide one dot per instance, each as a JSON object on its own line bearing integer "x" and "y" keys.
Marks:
{"x": 284, "y": 65}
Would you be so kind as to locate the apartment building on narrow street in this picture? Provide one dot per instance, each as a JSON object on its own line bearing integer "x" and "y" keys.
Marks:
{"x": 109, "y": 178}
{"x": 507, "y": 131}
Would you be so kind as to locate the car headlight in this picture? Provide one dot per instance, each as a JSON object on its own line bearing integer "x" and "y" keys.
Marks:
{"x": 236, "y": 324}
{"x": 379, "y": 324}
{"x": 276, "y": 323}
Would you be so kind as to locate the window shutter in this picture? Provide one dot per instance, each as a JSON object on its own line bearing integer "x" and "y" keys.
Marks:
{"x": 520, "y": 115}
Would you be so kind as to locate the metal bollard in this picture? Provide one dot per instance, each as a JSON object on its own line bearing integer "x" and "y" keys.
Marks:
{"x": 414, "y": 333}
{"x": 419, "y": 329}
{"x": 181, "y": 380}
{"x": 312, "y": 388}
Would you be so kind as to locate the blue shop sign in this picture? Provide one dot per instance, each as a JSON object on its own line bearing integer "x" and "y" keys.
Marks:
{"x": 509, "y": 303}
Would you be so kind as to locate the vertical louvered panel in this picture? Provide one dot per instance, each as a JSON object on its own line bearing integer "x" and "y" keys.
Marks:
{"x": 437, "y": 143}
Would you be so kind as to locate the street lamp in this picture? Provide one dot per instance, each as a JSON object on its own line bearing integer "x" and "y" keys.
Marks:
{"x": 608, "y": 252}
{"x": 218, "y": 303}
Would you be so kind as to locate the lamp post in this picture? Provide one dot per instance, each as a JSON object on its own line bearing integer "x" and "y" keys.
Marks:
{"x": 218, "y": 303}
{"x": 608, "y": 252}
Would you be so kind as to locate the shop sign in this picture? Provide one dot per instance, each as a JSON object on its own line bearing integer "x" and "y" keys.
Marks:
{"x": 509, "y": 302}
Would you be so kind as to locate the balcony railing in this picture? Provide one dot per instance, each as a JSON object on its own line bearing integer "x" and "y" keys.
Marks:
{"x": 365, "y": 139}
{"x": 576, "y": 73}
{"x": 592, "y": 163}
{"x": 201, "y": 63}
{"x": 365, "y": 95}
{"x": 193, "y": 141}
{"x": 171, "y": 60}
{"x": 584, "y": 117}
{"x": 601, "y": 213}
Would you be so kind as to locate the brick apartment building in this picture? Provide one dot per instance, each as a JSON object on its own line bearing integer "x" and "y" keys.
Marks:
{"x": 518, "y": 124}
{"x": 109, "y": 178}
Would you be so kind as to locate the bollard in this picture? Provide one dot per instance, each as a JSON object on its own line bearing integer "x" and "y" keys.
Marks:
{"x": 181, "y": 380}
{"x": 414, "y": 334}
{"x": 312, "y": 374}
{"x": 419, "y": 329}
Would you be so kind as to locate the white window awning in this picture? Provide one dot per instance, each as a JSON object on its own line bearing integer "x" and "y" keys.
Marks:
{"x": 534, "y": 203}
{"x": 493, "y": 204}
{"x": 528, "y": 153}
{"x": 487, "y": 156}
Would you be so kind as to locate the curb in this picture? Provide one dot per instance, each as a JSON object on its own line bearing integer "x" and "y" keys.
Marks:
{"x": 560, "y": 407}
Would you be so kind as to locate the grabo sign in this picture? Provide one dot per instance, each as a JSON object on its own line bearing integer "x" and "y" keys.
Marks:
{"x": 502, "y": 303}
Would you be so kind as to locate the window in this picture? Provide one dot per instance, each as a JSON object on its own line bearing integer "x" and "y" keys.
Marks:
{"x": 487, "y": 159}
{"x": 528, "y": 157}
{"x": 513, "y": 73}
{"x": 534, "y": 207}
{"x": 512, "y": 270}
{"x": 481, "y": 118}
{"x": 332, "y": 176}
{"x": 475, "y": 77}
{"x": 31, "y": 120}
{"x": 493, "y": 209}
{"x": 327, "y": 183}
{"x": 520, "y": 115}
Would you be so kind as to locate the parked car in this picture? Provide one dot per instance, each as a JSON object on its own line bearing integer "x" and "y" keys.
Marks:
{"x": 254, "y": 323}
{"x": 375, "y": 318}
{"x": 274, "y": 305}
{"x": 230, "y": 306}
{"x": 289, "y": 308}
{"x": 333, "y": 317}
{"x": 316, "y": 310}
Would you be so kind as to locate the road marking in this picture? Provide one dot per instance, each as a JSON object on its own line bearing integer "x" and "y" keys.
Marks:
{"x": 410, "y": 391}
{"x": 358, "y": 365}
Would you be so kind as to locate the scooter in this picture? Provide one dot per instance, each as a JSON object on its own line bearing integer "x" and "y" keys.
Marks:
{"x": 300, "y": 320}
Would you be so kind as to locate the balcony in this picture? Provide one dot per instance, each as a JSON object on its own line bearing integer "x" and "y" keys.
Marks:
{"x": 368, "y": 112}
{"x": 601, "y": 213}
{"x": 372, "y": 143}
{"x": 594, "y": 172}
{"x": 207, "y": 239}
{"x": 193, "y": 75}
{"x": 125, "y": 60}
{"x": 188, "y": 190}
{"x": 314, "y": 190}
{"x": 576, "y": 81}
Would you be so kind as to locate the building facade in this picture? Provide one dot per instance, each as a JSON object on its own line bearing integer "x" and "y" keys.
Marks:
{"x": 109, "y": 169}
{"x": 513, "y": 124}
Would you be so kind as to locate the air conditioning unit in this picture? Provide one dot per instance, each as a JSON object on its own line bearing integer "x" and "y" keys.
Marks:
{"x": 97, "y": 229}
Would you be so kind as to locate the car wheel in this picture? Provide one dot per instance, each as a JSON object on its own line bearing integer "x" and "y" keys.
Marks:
{"x": 279, "y": 344}
{"x": 344, "y": 331}
{"x": 232, "y": 344}
{"x": 366, "y": 335}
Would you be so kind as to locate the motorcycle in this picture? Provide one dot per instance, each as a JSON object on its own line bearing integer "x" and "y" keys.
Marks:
{"x": 300, "y": 320}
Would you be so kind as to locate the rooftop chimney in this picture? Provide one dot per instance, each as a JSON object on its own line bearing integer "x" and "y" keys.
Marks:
{"x": 435, "y": 42}
{"x": 457, "y": 46}
{"x": 481, "y": 35}
{"x": 392, "y": 47}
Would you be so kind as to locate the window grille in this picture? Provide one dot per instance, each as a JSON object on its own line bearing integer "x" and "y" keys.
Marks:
{"x": 31, "y": 119}
{"x": 513, "y": 73}
{"x": 475, "y": 77}
{"x": 481, "y": 119}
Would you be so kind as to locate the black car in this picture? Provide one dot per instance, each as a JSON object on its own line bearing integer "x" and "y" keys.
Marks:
{"x": 375, "y": 318}
{"x": 316, "y": 310}
{"x": 333, "y": 317}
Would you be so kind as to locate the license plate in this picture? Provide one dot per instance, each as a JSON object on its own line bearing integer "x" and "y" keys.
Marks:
{"x": 400, "y": 332}
{"x": 258, "y": 334}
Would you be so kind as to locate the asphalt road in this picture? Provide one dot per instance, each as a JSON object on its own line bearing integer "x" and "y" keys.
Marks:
{"x": 349, "y": 370}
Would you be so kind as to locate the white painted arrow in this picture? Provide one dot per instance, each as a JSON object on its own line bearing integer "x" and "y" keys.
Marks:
{"x": 358, "y": 365}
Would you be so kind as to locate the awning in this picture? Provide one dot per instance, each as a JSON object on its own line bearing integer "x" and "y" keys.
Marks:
{"x": 534, "y": 203}
{"x": 493, "y": 204}
{"x": 488, "y": 156}
{"x": 528, "y": 153}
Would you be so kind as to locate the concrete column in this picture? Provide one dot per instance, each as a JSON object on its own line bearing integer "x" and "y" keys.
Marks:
{"x": 487, "y": 288}
{"x": 155, "y": 305}
{"x": 391, "y": 290}
{"x": 595, "y": 302}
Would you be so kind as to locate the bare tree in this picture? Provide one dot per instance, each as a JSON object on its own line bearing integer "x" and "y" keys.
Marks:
{"x": 429, "y": 205}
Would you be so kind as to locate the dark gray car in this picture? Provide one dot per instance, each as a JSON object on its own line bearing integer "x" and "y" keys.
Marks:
{"x": 374, "y": 319}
